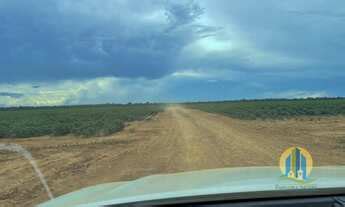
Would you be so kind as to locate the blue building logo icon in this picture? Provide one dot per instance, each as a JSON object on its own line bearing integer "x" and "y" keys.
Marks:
{"x": 296, "y": 163}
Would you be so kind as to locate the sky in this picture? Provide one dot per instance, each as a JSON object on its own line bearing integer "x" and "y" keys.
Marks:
{"x": 67, "y": 52}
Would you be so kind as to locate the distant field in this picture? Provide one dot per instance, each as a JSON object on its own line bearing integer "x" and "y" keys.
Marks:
{"x": 83, "y": 121}
{"x": 274, "y": 109}
{"x": 101, "y": 120}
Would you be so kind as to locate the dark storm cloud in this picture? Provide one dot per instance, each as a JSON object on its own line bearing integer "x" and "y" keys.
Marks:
{"x": 46, "y": 39}
{"x": 49, "y": 40}
{"x": 182, "y": 14}
{"x": 310, "y": 31}
{"x": 12, "y": 95}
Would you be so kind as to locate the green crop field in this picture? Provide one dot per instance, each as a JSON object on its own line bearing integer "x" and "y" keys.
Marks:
{"x": 82, "y": 121}
{"x": 101, "y": 120}
{"x": 274, "y": 109}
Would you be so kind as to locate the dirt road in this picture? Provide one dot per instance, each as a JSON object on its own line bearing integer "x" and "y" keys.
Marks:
{"x": 175, "y": 140}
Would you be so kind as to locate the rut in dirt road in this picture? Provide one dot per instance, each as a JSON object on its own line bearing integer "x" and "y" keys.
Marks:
{"x": 192, "y": 140}
{"x": 210, "y": 142}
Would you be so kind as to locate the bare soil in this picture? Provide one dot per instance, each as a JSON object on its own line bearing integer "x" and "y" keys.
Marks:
{"x": 175, "y": 140}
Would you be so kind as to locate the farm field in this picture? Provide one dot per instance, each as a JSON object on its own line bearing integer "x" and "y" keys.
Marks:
{"x": 85, "y": 121}
{"x": 102, "y": 120}
{"x": 274, "y": 109}
{"x": 176, "y": 138}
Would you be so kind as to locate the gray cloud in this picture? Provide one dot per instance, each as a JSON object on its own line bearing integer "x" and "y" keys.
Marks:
{"x": 271, "y": 27}
{"x": 11, "y": 95}
{"x": 58, "y": 40}
{"x": 182, "y": 14}
{"x": 67, "y": 39}
{"x": 181, "y": 43}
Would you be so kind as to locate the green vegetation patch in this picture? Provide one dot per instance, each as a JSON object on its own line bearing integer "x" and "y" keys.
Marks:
{"x": 86, "y": 121}
{"x": 274, "y": 108}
